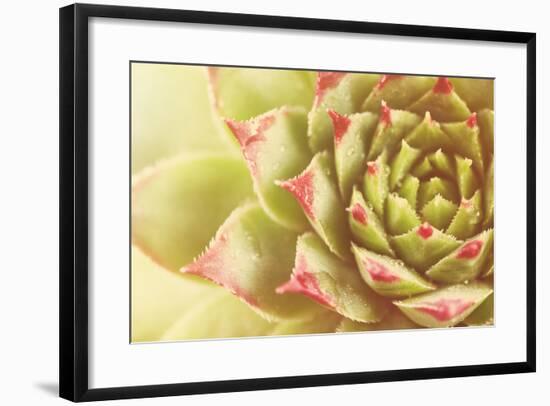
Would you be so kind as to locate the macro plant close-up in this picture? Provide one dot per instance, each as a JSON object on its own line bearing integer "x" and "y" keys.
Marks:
{"x": 269, "y": 202}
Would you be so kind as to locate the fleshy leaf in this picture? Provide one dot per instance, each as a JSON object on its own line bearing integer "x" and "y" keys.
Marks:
{"x": 488, "y": 195}
{"x": 243, "y": 93}
{"x": 394, "y": 320}
{"x": 352, "y": 136}
{"x": 250, "y": 256}
{"x": 316, "y": 191}
{"x": 160, "y": 297}
{"x": 375, "y": 184}
{"x": 220, "y": 316}
{"x": 442, "y": 164}
{"x": 322, "y": 322}
{"x": 171, "y": 114}
{"x": 340, "y": 92}
{"x": 466, "y": 177}
{"x": 428, "y": 135}
{"x": 365, "y": 226}
{"x": 387, "y": 276}
{"x": 477, "y": 93}
{"x": 402, "y": 164}
{"x": 423, "y": 246}
{"x": 483, "y": 315}
{"x": 431, "y": 188}
{"x": 467, "y": 218}
{"x": 466, "y": 262}
{"x": 274, "y": 146}
{"x": 485, "y": 121}
{"x": 439, "y": 212}
{"x": 465, "y": 138}
{"x": 442, "y": 102}
{"x": 409, "y": 190}
{"x": 424, "y": 169}
{"x": 178, "y": 205}
{"x": 393, "y": 126}
{"x": 324, "y": 278}
{"x": 445, "y": 307}
{"x": 398, "y": 91}
{"x": 400, "y": 216}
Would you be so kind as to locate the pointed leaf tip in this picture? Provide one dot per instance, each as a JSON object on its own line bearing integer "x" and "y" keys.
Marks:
{"x": 385, "y": 79}
{"x": 304, "y": 282}
{"x": 326, "y": 81}
{"x": 301, "y": 187}
{"x": 385, "y": 114}
{"x": 425, "y": 231}
{"x": 472, "y": 120}
{"x": 340, "y": 125}
{"x": 443, "y": 85}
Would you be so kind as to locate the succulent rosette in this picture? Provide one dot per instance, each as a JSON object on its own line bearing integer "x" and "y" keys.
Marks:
{"x": 330, "y": 202}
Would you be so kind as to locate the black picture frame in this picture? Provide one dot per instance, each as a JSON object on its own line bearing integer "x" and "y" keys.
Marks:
{"x": 73, "y": 281}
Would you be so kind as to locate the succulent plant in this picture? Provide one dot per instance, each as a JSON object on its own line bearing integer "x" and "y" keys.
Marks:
{"x": 341, "y": 202}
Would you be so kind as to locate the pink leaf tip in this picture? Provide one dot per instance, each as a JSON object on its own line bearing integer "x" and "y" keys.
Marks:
{"x": 379, "y": 272}
{"x": 470, "y": 250}
{"x": 340, "y": 123}
{"x": 472, "y": 120}
{"x": 443, "y": 85}
{"x": 304, "y": 282}
{"x": 425, "y": 231}
{"x": 372, "y": 168}
{"x": 358, "y": 213}
{"x": 301, "y": 187}
{"x": 445, "y": 309}
{"x": 326, "y": 81}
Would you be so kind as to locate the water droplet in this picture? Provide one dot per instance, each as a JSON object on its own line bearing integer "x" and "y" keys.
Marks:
{"x": 350, "y": 152}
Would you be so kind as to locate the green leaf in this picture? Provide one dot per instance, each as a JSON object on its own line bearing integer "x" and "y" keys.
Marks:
{"x": 466, "y": 262}
{"x": 387, "y": 276}
{"x": 178, "y": 205}
{"x": 365, "y": 226}
{"x": 400, "y": 216}
{"x": 445, "y": 307}
{"x": 250, "y": 256}
{"x": 352, "y": 137}
{"x": 428, "y": 135}
{"x": 322, "y": 322}
{"x": 316, "y": 191}
{"x": 274, "y": 146}
{"x": 485, "y": 121}
{"x": 483, "y": 315}
{"x": 468, "y": 218}
{"x": 466, "y": 177}
{"x": 398, "y": 91}
{"x": 324, "y": 278}
{"x": 477, "y": 93}
{"x": 340, "y": 92}
{"x": 424, "y": 169}
{"x": 220, "y": 316}
{"x": 442, "y": 102}
{"x": 489, "y": 195}
{"x": 437, "y": 186}
{"x": 375, "y": 184}
{"x": 159, "y": 297}
{"x": 409, "y": 190}
{"x": 466, "y": 141}
{"x": 423, "y": 246}
{"x": 402, "y": 164}
{"x": 439, "y": 212}
{"x": 243, "y": 93}
{"x": 393, "y": 126}
{"x": 442, "y": 164}
{"x": 394, "y": 320}
{"x": 171, "y": 114}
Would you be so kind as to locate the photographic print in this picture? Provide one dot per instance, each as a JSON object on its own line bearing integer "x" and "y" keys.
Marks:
{"x": 277, "y": 202}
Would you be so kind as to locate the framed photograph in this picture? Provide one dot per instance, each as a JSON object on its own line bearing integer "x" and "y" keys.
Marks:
{"x": 255, "y": 202}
